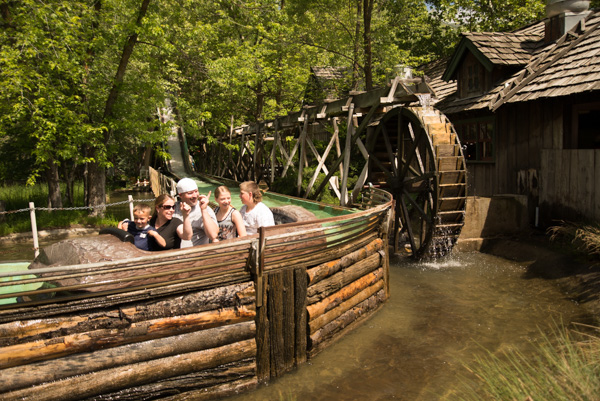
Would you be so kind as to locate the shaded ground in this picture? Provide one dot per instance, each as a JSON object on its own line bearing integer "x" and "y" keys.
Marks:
{"x": 577, "y": 275}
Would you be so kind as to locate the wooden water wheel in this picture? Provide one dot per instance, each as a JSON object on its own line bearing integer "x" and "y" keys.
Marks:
{"x": 416, "y": 154}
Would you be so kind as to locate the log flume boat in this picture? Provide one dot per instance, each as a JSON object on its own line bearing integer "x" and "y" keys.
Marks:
{"x": 198, "y": 323}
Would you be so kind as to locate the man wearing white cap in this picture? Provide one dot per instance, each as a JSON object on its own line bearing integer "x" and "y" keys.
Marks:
{"x": 202, "y": 217}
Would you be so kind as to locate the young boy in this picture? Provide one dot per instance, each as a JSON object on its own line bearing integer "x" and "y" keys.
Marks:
{"x": 141, "y": 229}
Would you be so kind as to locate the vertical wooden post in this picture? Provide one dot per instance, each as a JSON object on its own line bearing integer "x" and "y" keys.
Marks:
{"x": 349, "y": 134}
{"x": 2, "y": 209}
{"x": 255, "y": 161}
{"x": 302, "y": 158}
{"x": 241, "y": 156}
{"x": 338, "y": 149}
{"x": 130, "y": 198}
{"x": 34, "y": 232}
{"x": 274, "y": 152}
{"x": 230, "y": 163}
{"x": 300, "y": 314}
{"x": 276, "y": 323}
{"x": 388, "y": 223}
{"x": 263, "y": 335}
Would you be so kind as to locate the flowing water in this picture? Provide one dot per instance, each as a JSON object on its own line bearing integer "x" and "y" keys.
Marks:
{"x": 439, "y": 317}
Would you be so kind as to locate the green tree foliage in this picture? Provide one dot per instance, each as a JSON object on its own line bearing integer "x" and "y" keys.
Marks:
{"x": 81, "y": 81}
{"x": 487, "y": 15}
{"x": 42, "y": 113}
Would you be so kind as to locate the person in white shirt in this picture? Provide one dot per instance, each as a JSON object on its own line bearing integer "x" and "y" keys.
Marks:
{"x": 204, "y": 222}
{"x": 254, "y": 213}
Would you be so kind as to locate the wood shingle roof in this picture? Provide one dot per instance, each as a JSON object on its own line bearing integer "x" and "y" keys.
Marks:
{"x": 568, "y": 66}
{"x": 506, "y": 48}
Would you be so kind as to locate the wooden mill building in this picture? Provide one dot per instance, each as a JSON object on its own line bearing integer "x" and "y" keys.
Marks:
{"x": 526, "y": 106}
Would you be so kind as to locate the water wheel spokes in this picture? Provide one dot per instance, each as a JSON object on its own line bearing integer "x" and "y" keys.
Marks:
{"x": 414, "y": 166}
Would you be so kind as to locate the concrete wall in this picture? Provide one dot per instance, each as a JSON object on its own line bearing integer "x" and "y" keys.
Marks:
{"x": 496, "y": 216}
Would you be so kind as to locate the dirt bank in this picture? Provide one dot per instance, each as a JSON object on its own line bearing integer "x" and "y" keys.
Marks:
{"x": 578, "y": 276}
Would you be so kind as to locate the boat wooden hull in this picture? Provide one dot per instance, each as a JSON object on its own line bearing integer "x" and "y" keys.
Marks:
{"x": 199, "y": 323}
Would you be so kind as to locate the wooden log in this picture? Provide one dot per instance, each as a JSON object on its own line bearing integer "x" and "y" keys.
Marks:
{"x": 341, "y": 279}
{"x": 386, "y": 263}
{"x": 83, "y": 304}
{"x": 289, "y": 328}
{"x": 333, "y": 314}
{"x": 345, "y": 293}
{"x": 161, "y": 268}
{"x": 221, "y": 391}
{"x": 196, "y": 302}
{"x": 300, "y": 315}
{"x": 263, "y": 338}
{"x": 345, "y": 323}
{"x": 106, "y": 381}
{"x": 83, "y": 342}
{"x": 281, "y": 248}
{"x": 326, "y": 269}
{"x": 309, "y": 259}
{"x": 276, "y": 335}
{"x": 212, "y": 383}
{"x": 56, "y": 369}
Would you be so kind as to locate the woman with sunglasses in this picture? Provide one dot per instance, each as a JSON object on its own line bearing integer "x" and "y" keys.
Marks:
{"x": 172, "y": 229}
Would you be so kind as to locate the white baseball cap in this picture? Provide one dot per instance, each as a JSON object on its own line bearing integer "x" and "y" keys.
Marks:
{"x": 186, "y": 185}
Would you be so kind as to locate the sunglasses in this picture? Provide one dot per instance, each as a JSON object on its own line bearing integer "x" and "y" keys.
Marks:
{"x": 167, "y": 207}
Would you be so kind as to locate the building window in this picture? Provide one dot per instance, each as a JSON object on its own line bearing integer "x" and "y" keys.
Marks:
{"x": 585, "y": 126}
{"x": 472, "y": 77}
{"x": 477, "y": 138}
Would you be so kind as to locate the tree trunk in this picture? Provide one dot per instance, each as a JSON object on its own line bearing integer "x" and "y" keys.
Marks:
{"x": 368, "y": 12}
{"x": 125, "y": 55}
{"x": 355, "y": 64}
{"x": 96, "y": 188}
{"x": 69, "y": 171}
{"x": 54, "y": 200}
{"x": 97, "y": 172}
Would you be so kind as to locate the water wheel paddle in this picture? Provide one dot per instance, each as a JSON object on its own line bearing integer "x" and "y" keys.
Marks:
{"x": 416, "y": 153}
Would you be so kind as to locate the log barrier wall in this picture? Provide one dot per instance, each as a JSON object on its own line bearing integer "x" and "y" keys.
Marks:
{"x": 198, "y": 323}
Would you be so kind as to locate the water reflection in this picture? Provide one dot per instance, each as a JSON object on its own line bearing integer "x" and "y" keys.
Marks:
{"x": 439, "y": 317}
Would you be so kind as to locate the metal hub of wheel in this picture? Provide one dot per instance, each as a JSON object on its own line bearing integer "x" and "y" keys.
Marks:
{"x": 416, "y": 154}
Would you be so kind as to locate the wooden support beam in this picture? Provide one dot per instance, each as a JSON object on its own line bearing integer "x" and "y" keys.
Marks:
{"x": 321, "y": 166}
{"x": 302, "y": 158}
{"x": 274, "y": 152}
{"x": 347, "y": 150}
{"x": 363, "y": 125}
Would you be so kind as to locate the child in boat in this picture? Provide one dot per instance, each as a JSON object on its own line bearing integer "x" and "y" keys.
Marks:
{"x": 141, "y": 230}
{"x": 229, "y": 219}
{"x": 254, "y": 213}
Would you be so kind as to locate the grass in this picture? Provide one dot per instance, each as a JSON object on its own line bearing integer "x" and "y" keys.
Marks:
{"x": 585, "y": 237}
{"x": 566, "y": 366}
{"x": 17, "y": 197}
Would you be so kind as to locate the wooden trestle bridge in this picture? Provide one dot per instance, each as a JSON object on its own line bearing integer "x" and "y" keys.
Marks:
{"x": 404, "y": 145}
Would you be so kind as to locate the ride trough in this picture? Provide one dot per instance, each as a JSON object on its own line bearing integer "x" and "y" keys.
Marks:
{"x": 97, "y": 318}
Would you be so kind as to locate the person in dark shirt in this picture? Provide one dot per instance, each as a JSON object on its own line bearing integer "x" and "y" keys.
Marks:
{"x": 172, "y": 229}
{"x": 140, "y": 229}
